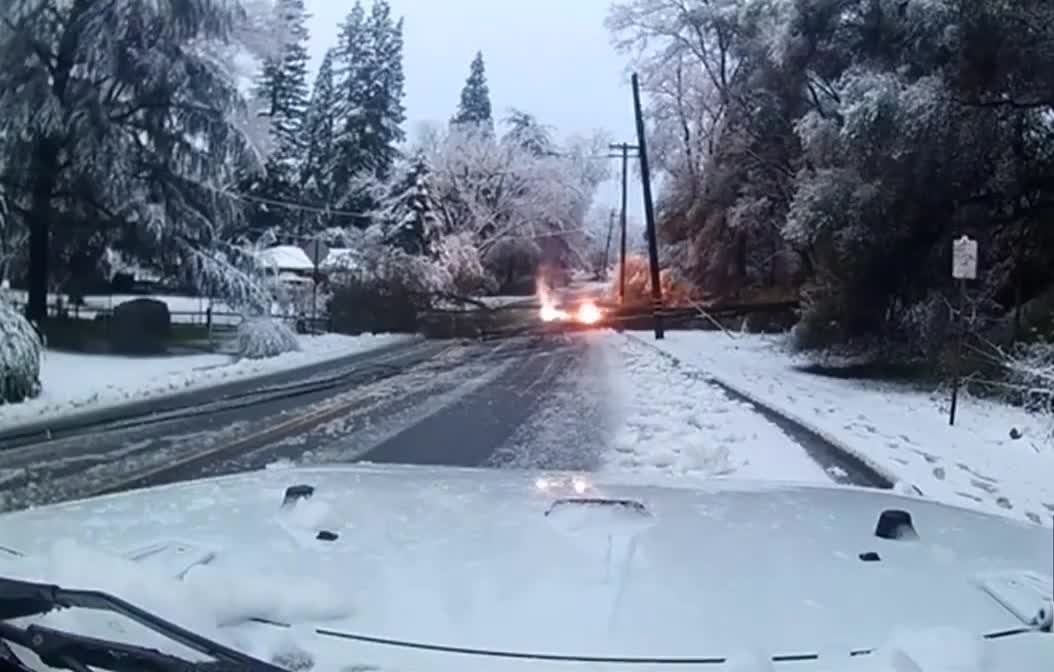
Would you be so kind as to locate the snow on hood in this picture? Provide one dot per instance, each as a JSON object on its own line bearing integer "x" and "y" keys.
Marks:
{"x": 519, "y": 562}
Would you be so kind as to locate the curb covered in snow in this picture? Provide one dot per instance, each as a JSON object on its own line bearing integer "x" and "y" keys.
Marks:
{"x": 835, "y": 443}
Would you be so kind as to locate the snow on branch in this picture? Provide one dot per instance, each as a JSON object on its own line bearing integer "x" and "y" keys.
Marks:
{"x": 1031, "y": 369}
{"x": 227, "y": 273}
{"x": 20, "y": 350}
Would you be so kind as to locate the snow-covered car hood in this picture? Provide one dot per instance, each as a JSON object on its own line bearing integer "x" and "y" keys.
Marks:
{"x": 515, "y": 562}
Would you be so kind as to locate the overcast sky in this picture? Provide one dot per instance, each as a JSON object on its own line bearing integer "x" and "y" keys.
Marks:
{"x": 552, "y": 58}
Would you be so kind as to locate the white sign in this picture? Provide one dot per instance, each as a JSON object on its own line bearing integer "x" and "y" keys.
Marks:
{"x": 316, "y": 251}
{"x": 964, "y": 259}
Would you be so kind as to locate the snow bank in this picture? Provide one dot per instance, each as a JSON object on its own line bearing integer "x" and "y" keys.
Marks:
{"x": 672, "y": 422}
{"x": 75, "y": 383}
{"x": 901, "y": 430}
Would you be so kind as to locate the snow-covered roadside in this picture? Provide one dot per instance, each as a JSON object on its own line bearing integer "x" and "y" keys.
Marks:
{"x": 672, "y": 423}
{"x": 75, "y": 383}
{"x": 902, "y": 431}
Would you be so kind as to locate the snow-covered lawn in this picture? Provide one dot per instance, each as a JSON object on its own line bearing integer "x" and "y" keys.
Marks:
{"x": 75, "y": 383}
{"x": 671, "y": 422}
{"x": 902, "y": 431}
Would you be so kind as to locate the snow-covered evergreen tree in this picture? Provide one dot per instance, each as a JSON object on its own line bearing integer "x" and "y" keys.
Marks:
{"x": 527, "y": 132}
{"x": 370, "y": 110}
{"x": 382, "y": 108}
{"x": 351, "y": 72}
{"x": 120, "y": 119}
{"x": 474, "y": 108}
{"x": 407, "y": 214}
{"x": 281, "y": 87}
{"x": 281, "y": 101}
{"x": 319, "y": 129}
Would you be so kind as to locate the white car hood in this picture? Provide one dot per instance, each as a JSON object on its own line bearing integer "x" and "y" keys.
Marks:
{"x": 470, "y": 559}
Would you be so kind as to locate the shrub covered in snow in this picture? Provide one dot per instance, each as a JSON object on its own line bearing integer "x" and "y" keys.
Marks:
{"x": 20, "y": 350}
{"x": 263, "y": 337}
{"x": 1031, "y": 369}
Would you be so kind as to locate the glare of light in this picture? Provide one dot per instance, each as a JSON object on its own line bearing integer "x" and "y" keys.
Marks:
{"x": 580, "y": 486}
{"x": 542, "y": 484}
{"x": 551, "y": 313}
{"x": 588, "y": 313}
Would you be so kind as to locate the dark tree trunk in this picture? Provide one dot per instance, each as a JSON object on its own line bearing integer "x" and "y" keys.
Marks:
{"x": 40, "y": 215}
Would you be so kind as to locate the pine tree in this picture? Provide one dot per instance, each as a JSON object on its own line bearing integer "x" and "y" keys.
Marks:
{"x": 370, "y": 110}
{"x": 281, "y": 95}
{"x": 383, "y": 111}
{"x": 409, "y": 217}
{"x": 319, "y": 132}
{"x": 351, "y": 73}
{"x": 282, "y": 85}
{"x": 527, "y": 132}
{"x": 103, "y": 140}
{"x": 474, "y": 108}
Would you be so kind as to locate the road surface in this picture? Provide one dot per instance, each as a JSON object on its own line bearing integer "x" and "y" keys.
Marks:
{"x": 458, "y": 403}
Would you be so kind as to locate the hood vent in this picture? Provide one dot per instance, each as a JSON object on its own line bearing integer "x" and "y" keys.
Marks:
{"x": 896, "y": 525}
{"x": 628, "y": 505}
{"x": 295, "y": 492}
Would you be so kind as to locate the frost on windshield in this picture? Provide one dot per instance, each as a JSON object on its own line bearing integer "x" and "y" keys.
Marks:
{"x": 262, "y": 337}
{"x": 19, "y": 356}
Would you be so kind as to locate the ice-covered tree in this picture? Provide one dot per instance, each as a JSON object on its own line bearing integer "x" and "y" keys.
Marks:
{"x": 474, "y": 109}
{"x": 20, "y": 350}
{"x": 527, "y": 132}
{"x": 13, "y": 239}
{"x": 507, "y": 200}
{"x": 121, "y": 119}
{"x": 838, "y": 147}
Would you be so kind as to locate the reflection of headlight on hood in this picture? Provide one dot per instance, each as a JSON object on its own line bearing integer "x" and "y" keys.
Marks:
{"x": 577, "y": 484}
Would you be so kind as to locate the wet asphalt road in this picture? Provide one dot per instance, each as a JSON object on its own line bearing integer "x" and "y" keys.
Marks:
{"x": 530, "y": 401}
{"x": 432, "y": 402}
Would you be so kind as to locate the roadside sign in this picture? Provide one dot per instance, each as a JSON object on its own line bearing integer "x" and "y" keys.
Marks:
{"x": 964, "y": 259}
{"x": 316, "y": 251}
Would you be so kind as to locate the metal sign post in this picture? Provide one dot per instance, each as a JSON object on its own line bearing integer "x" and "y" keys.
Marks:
{"x": 316, "y": 251}
{"x": 964, "y": 267}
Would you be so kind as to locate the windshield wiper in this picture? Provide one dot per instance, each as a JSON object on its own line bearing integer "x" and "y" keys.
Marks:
{"x": 20, "y": 599}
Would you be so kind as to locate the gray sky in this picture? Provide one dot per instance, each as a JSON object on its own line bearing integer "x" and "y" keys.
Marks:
{"x": 552, "y": 58}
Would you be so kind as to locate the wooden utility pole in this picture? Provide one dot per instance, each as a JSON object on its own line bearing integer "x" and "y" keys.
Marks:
{"x": 624, "y": 149}
{"x": 649, "y": 211}
{"x": 607, "y": 244}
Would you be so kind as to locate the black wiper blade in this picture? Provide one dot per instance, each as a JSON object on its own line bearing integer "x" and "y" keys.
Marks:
{"x": 19, "y": 599}
{"x": 64, "y": 650}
